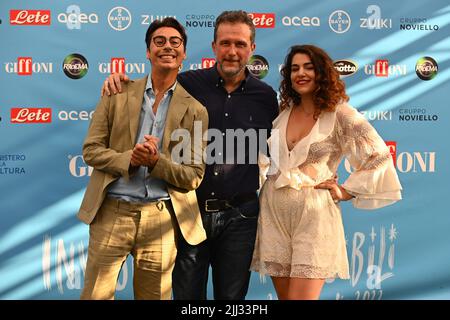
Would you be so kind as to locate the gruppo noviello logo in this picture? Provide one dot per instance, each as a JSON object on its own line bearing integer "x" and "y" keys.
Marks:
{"x": 75, "y": 66}
{"x": 426, "y": 68}
{"x": 258, "y": 66}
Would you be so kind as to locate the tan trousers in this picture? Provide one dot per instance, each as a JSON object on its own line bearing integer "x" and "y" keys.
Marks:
{"x": 144, "y": 230}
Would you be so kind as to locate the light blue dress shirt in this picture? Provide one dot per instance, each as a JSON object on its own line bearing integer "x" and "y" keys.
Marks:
{"x": 141, "y": 187}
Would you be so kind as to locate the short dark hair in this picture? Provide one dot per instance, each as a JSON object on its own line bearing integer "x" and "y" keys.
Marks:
{"x": 166, "y": 22}
{"x": 235, "y": 16}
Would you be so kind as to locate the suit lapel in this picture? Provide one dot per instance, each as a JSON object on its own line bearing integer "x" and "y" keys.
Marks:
{"x": 135, "y": 97}
{"x": 177, "y": 108}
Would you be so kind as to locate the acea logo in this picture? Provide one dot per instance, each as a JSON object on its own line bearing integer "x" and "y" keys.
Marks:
{"x": 426, "y": 68}
{"x": 73, "y": 17}
{"x": 75, "y": 66}
{"x": 339, "y": 21}
{"x": 297, "y": 21}
{"x": 119, "y": 18}
{"x": 345, "y": 67}
{"x": 258, "y": 66}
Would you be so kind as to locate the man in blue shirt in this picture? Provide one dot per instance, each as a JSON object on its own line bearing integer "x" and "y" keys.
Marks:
{"x": 138, "y": 197}
{"x": 228, "y": 193}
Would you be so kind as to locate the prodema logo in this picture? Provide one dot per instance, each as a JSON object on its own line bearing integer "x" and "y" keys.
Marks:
{"x": 407, "y": 161}
{"x": 75, "y": 115}
{"x": 258, "y": 66}
{"x": 146, "y": 19}
{"x": 12, "y": 164}
{"x": 416, "y": 114}
{"x": 31, "y": 115}
{"x": 296, "y": 21}
{"x": 78, "y": 168}
{"x": 73, "y": 18}
{"x": 200, "y": 21}
{"x": 26, "y": 67}
{"x": 23, "y": 17}
{"x": 119, "y": 65}
{"x": 205, "y": 64}
{"x": 426, "y": 68}
{"x": 382, "y": 68}
{"x": 339, "y": 21}
{"x": 345, "y": 67}
{"x": 375, "y": 21}
{"x": 417, "y": 24}
{"x": 119, "y": 18}
{"x": 75, "y": 66}
{"x": 263, "y": 20}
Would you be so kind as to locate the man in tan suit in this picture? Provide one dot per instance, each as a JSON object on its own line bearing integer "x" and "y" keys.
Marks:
{"x": 138, "y": 197}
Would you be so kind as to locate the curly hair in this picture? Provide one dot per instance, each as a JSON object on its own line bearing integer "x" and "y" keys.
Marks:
{"x": 330, "y": 89}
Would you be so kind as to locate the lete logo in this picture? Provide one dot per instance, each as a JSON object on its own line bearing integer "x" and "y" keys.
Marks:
{"x": 30, "y": 17}
{"x": 31, "y": 115}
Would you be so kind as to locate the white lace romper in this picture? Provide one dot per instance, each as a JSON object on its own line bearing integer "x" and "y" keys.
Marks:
{"x": 300, "y": 229}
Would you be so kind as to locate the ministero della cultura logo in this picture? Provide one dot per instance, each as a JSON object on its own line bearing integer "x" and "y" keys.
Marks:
{"x": 75, "y": 66}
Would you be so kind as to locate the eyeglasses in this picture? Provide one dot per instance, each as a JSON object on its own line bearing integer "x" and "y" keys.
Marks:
{"x": 174, "y": 41}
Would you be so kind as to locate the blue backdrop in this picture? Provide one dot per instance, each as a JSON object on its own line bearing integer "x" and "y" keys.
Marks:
{"x": 398, "y": 252}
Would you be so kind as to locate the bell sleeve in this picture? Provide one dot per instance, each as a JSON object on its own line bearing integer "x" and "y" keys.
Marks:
{"x": 374, "y": 182}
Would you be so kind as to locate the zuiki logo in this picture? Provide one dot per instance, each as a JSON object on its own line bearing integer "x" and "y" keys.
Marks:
{"x": 31, "y": 115}
{"x": 119, "y": 65}
{"x": 382, "y": 68}
{"x": 73, "y": 18}
{"x": 26, "y": 67}
{"x": 258, "y": 66}
{"x": 339, "y": 21}
{"x": 375, "y": 21}
{"x": 263, "y": 20}
{"x": 426, "y": 68}
{"x": 75, "y": 66}
{"x": 345, "y": 67}
{"x": 146, "y": 19}
{"x": 119, "y": 18}
{"x": 30, "y": 17}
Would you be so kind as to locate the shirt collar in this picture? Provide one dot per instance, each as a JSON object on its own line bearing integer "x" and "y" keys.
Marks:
{"x": 149, "y": 85}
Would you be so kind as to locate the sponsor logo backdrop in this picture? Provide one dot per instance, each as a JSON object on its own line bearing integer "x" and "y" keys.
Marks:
{"x": 55, "y": 55}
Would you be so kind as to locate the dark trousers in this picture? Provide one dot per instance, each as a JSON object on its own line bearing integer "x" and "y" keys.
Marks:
{"x": 228, "y": 249}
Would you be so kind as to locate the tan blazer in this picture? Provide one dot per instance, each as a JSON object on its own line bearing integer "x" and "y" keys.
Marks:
{"x": 111, "y": 138}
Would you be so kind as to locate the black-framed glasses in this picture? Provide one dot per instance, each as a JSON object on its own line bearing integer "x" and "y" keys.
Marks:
{"x": 174, "y": 41}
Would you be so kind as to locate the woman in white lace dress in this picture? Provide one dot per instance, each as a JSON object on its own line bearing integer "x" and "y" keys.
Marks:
{"x": 300, "y": 240}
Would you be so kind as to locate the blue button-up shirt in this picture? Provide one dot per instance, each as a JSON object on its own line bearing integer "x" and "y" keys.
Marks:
{"x": 141, "y": 187}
